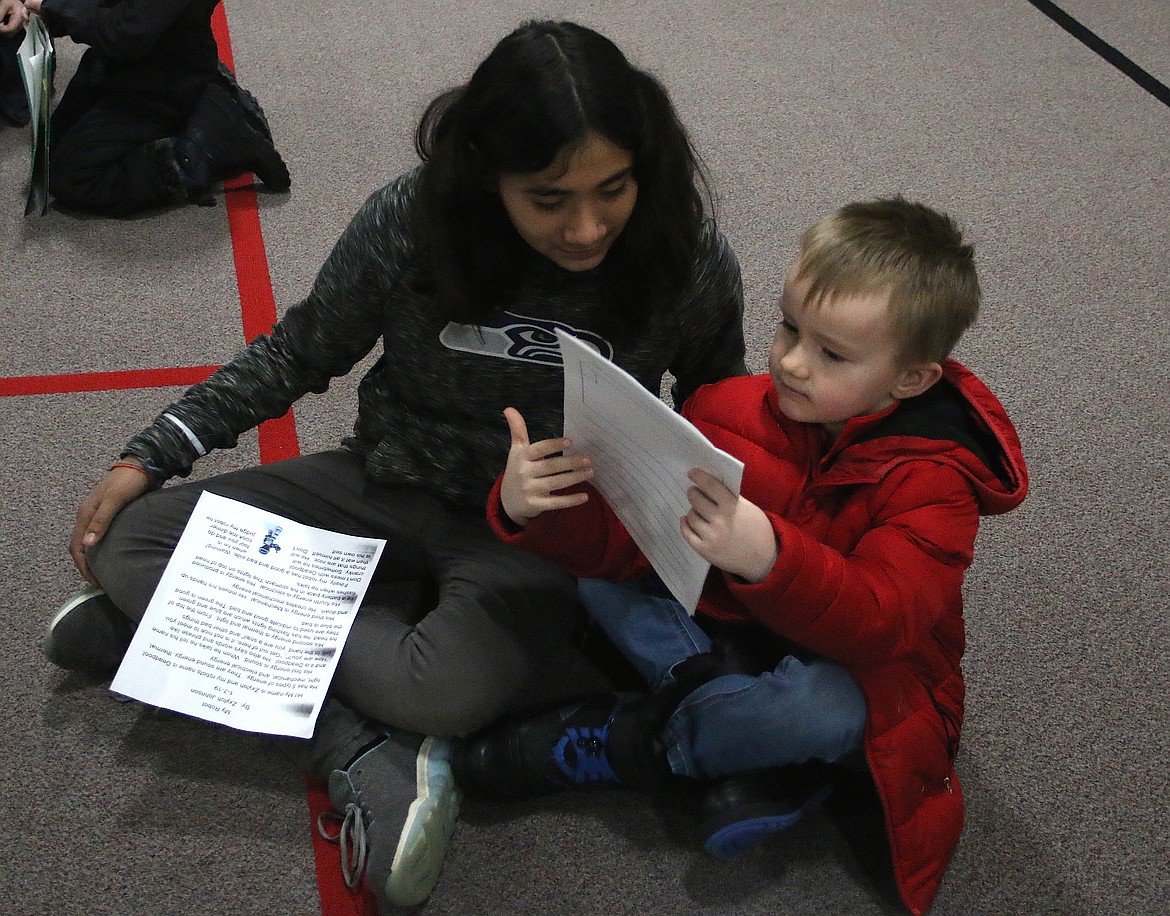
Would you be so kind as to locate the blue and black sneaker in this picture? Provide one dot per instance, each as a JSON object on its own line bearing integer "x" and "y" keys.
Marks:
{"x": 596, "y": 743}
{"x": 747, "y": 808}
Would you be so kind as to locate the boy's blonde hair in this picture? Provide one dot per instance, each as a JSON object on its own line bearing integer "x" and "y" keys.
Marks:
{"x": 916, "y": 253}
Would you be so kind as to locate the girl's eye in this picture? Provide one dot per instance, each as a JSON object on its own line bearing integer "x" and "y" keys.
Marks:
{"x": 547, "y": 206}
{"x": 788, "y": 326}
{"x": 833, "y": 356}
{"x": 615, "y": 192}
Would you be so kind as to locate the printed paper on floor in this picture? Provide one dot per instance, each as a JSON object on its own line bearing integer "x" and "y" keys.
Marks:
{"x": 247, "y": 624}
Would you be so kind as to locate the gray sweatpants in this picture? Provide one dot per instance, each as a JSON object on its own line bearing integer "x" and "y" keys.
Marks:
{"x": 457, "y": 629}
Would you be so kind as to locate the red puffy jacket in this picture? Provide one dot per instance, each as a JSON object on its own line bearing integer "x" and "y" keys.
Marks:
{"x": 875, "y": 530}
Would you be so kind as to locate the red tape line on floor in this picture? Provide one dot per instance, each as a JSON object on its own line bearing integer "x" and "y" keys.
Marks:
{"x": 278, "y": 439}
{"x": 104, "y": 381}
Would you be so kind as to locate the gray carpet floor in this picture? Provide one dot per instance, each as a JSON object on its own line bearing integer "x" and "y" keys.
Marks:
{"x": 1057, "y": 165}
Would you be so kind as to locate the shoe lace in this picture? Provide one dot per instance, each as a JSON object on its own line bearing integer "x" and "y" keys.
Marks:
{"x": 351, "y": 837}
{"x": 581, "y": 755}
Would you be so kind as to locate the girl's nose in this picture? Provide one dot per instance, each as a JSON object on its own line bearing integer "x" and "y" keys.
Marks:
{"x": 585, "y": 228}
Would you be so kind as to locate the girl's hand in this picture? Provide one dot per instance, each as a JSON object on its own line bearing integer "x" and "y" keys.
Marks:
{"x": 537, "y": 471}
{"x": 120, "y": 487}
{"x": 728, "y": 531}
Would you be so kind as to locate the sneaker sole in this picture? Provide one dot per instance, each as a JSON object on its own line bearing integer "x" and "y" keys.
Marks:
{"x": 248, "y": 103}
{"x": 80, "y": 597}
{"x": 430, "y": 822}
{"x": 741, "y": 836}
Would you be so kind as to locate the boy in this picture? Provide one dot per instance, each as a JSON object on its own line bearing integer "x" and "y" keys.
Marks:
{"x": 830, "y": 631}
{"x": 150, "y": 118}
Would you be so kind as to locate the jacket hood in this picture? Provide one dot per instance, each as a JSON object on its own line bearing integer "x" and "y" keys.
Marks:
{"x": 958, "y": 421}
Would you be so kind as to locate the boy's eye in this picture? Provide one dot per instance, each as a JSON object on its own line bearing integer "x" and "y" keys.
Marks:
{"x": 832, "y": 356}
{"x": 547, "y": 205}
{"x": 788, "y": 326}
{"x": 615, "y": 192}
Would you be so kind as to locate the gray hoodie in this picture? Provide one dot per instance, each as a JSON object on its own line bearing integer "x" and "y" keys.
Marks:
{"x": 430, "y": 408}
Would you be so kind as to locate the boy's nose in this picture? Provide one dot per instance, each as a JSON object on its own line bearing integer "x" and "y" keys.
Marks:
{"x": 793, "y": 363}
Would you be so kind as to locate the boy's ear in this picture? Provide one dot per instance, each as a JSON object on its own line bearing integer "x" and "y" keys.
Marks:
{"x": 916, "y": 379}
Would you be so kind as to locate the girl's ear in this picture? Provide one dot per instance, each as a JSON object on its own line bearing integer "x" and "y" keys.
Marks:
{"x": 916, "y": 379}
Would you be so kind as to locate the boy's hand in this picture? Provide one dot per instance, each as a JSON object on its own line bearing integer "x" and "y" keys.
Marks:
{"x": 728, "y": 531}
{"x": 535, "y": 473}
{"x": 13, "y": 16}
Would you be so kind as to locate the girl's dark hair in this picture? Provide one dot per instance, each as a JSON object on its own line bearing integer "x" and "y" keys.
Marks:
{"x": 540, "y": 91}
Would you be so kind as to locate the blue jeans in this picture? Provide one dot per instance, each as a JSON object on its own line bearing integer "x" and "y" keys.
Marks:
{"x": 806, "y": 708}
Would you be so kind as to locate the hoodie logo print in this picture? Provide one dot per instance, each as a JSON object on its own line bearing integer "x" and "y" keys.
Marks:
{"x": 516, "y": 337}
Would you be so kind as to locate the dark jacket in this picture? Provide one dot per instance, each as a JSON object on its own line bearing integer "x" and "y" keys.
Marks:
{"x": 142, "y": 47}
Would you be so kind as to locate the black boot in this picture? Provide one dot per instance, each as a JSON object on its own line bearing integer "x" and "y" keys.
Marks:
{"x": 613, "y": 740}
{"x": 218, "y": 135}
{"x": 597, "y": 743}
{"x": 248, "y": 103}
{"x": 184, "y": 172}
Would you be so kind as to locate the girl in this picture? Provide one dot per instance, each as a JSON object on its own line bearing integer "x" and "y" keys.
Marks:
{"x": 557, "y": 189}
